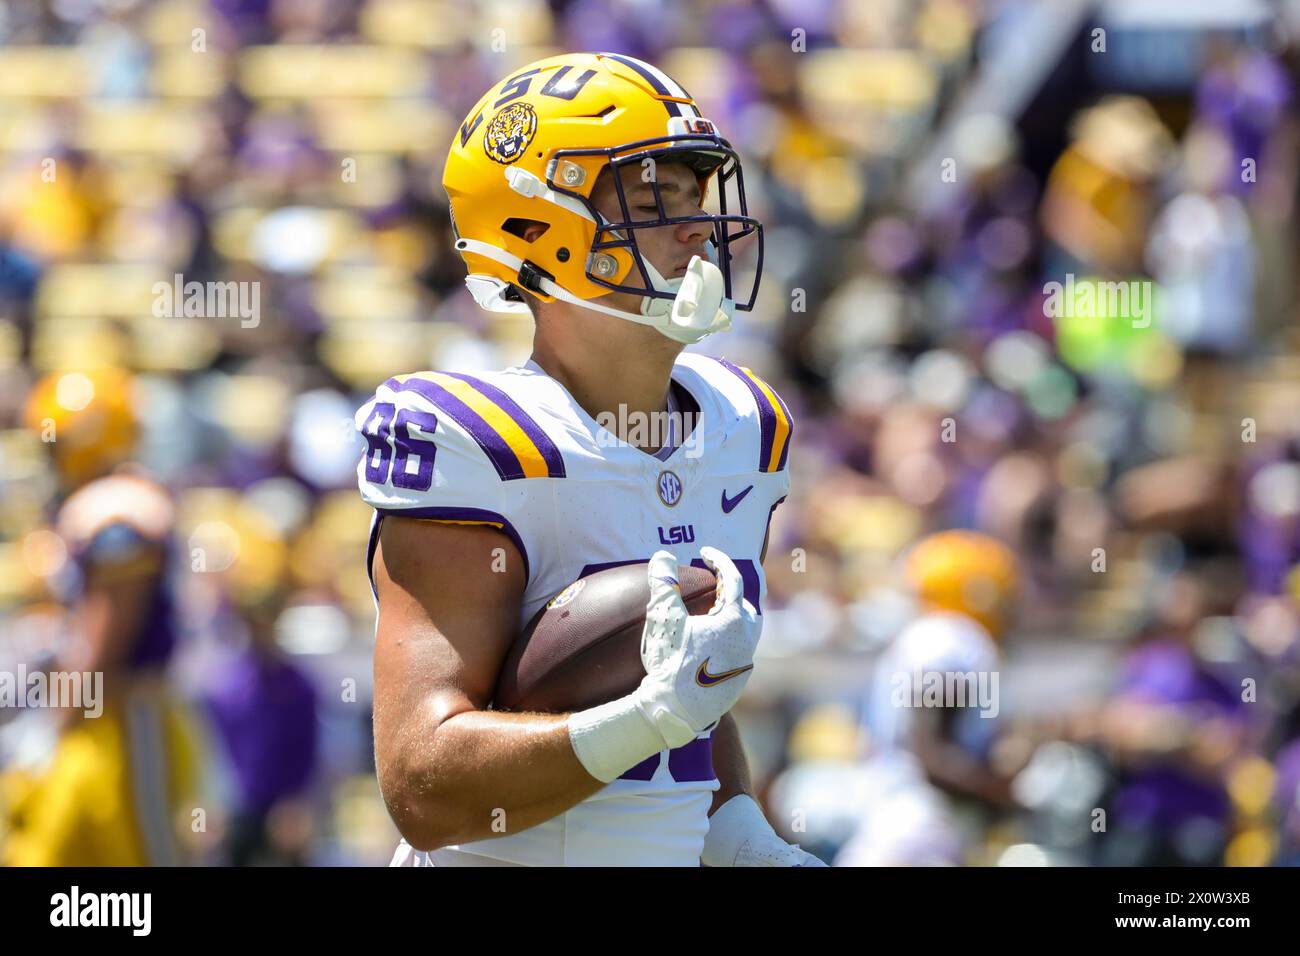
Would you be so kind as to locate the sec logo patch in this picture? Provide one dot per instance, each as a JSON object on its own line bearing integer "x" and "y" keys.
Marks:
{"x": 670, "y": 488}
{"x": 510, "y": 132}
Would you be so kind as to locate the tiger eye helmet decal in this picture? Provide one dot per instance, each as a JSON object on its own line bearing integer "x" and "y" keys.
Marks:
{"x": 510, "y": 132}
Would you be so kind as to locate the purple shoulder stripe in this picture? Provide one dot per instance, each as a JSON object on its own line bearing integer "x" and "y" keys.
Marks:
{"x": 549, "y": 450}
{"x": 789, "y": 437}
{"x": 766, "y": 417}
{"x": 498, "y": 451}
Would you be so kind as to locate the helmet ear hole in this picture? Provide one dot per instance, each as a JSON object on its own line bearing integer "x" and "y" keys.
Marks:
{"x": 529, "y": 230}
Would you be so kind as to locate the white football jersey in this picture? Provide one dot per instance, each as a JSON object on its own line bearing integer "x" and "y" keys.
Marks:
{"x": 513, "y": 450}
{"x": 938, "y": 641}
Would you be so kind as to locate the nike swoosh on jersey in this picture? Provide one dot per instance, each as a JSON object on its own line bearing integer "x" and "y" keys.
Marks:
{"x": 705, "y": 679}
{"x": 728, "y": 504}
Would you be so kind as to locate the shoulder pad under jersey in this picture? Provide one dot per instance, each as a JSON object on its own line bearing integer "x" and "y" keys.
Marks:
{"x": 762, "y": 418}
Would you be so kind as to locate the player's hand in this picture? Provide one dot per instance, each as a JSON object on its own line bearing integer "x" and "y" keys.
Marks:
{"x": 777, "y": 853}
{"x": 696, "y": 666}
{"x": 739, "y": 835}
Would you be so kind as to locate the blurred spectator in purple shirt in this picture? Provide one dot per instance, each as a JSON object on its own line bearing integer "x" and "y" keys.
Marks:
{"x": 264, "y": 709}
{"x": 1172, "y": 727}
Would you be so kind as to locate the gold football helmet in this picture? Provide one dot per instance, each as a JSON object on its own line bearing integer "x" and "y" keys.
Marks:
{"x": 965, "y": 572}
{"x": 87, "y": 417}
{"x": 531, "y": 151}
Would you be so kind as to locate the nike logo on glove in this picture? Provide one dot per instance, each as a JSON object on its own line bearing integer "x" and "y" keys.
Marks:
{"x": 728, "y": 504}
{"x": 705, "y": 679}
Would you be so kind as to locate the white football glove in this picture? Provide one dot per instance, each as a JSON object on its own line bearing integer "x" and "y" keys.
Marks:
{"x": 739, "y": 835}
{"x": 696, "y": 668}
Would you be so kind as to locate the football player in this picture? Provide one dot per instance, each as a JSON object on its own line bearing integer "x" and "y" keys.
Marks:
{"x": 933, "y": 779}
{"x": 578, "y": 187}
{"x": 114, "y": 785}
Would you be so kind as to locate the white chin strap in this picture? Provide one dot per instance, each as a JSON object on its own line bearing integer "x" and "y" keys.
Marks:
{"x": 698, "y": 309}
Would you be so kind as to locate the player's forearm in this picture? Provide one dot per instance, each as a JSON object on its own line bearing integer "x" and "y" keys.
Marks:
{"x": 729, "y": 763}
{"x": 486, "y": 774}
{"x": 955, "y": 771}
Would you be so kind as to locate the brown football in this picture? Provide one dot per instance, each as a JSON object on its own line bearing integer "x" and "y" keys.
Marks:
{"x": 584, "y": 647}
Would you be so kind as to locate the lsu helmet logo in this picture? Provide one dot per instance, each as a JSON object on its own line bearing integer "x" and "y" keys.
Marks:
{"x": 510, "y": 132}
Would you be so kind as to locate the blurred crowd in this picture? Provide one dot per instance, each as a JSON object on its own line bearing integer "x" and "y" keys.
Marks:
{"x": 1134, "y": 470}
